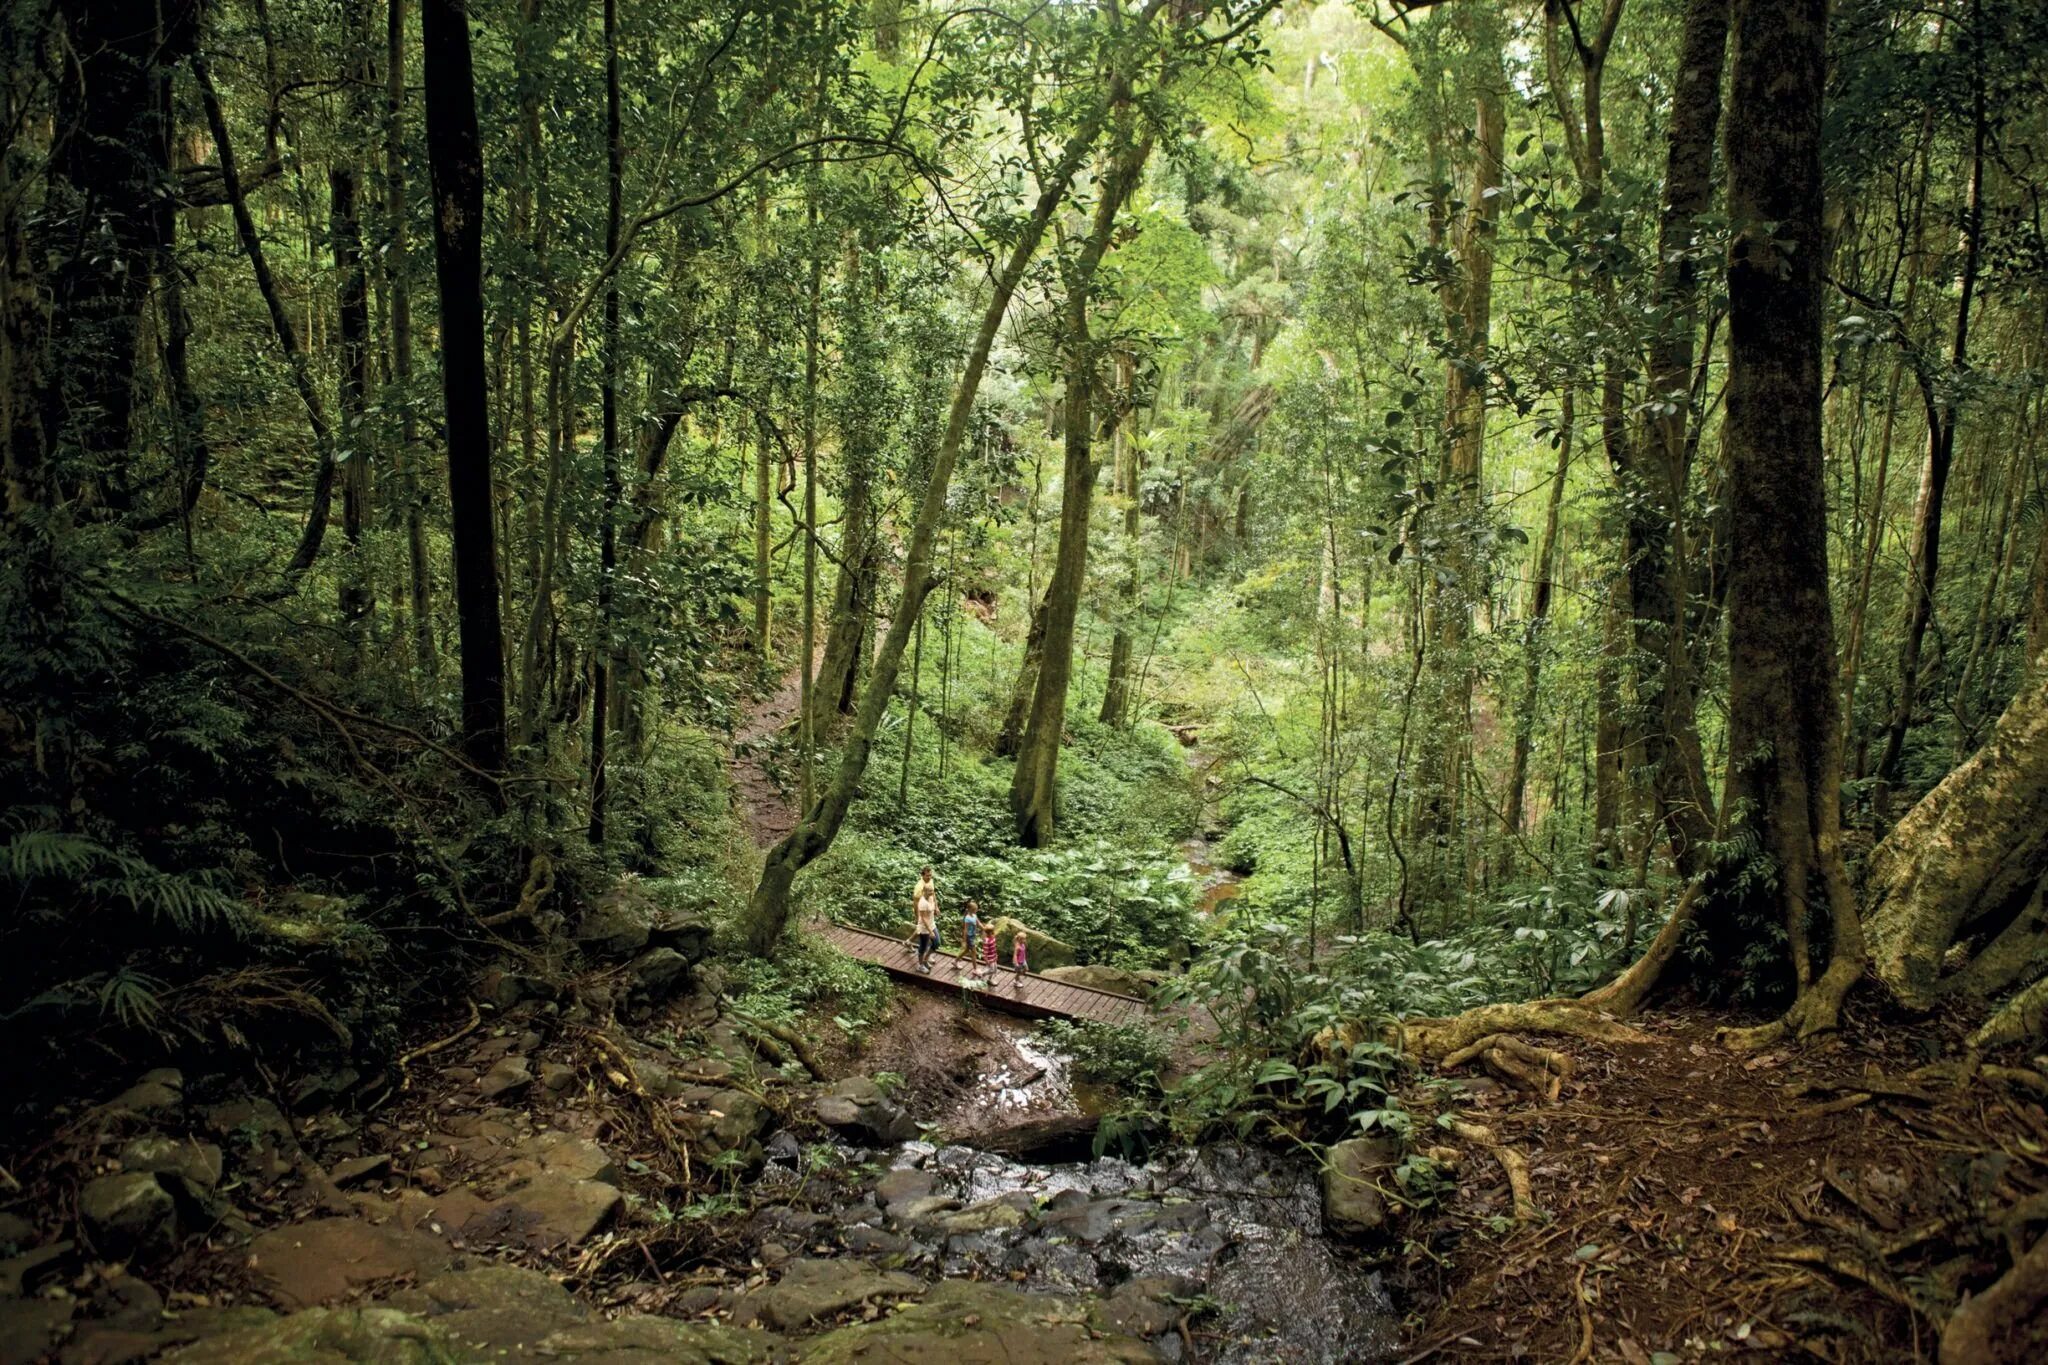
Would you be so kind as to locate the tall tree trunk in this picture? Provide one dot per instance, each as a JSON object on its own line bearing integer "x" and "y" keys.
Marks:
{"x": 1784, "y": 721}
{"x": 405, "y": 460}
{"x": 315, "y": 531}
{"x": 455, "y": 162}
{"x": 1664, "y": 574}
{"x": 1034, "y": 782}
{"x": 768, "y": 911}
{"x": 1116, "y": 691}
{"x": 601, "y": 651}
{"x": 1533, "y": 644}
{"x": 352, "y": 318}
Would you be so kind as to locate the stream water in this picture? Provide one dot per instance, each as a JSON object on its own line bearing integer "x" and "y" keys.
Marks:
{"x": 1239, "y": 1225}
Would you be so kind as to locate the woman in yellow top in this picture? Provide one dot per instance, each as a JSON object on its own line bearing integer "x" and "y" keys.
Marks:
{"x": 927, "y": 912}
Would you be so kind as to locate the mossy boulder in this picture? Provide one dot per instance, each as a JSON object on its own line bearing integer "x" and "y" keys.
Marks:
{"x": 1046, "y": 951}
{"x": 966, "y": 1322}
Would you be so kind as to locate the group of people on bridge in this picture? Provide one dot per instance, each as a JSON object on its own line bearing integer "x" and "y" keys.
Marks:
{"x": 977, "y": 942}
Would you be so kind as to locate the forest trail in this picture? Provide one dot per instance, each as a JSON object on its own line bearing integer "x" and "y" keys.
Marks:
{"x": 762, "y": 780}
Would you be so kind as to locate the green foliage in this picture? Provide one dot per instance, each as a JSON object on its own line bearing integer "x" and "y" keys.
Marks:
{"x": 1127, "y": 1058}
{"x": 803, "y": 975}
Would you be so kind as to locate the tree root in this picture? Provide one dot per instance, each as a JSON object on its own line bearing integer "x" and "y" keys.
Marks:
{"x": 1433, "y": 1040}
{"x": 622, "y": 1073}
{"x": 1540, "y": 1070}
{"x": 1983, "y": 1328}
{"x": 2021, "y": 1019}
{"x": 406, "y": 1059}
{"x": 1511, "y": 1161}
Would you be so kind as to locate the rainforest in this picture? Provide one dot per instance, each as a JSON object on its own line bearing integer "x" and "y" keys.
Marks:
{"x": 745, "y": 681}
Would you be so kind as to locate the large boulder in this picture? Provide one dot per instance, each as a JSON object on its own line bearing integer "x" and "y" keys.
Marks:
{"x": 1102, "y": 979}
{"x": 975, "y": 1322}
{"x": 1046, "y": 951}
{"x": 857, "y": 1107}
{"x": 657, "y": 973}
{"x": 813, "y": 1291}
{"x": 327, "y": 1336}
{"x": 1353, "y": 1206}
{"x": 128, "y": 1215}
{"x": 617, "y": 924}
{"x": 195, "y": 1165}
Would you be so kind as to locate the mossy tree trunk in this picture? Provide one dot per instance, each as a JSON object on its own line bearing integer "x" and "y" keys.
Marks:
{"x": 1034, "y": 785}
{"x": 1967, "y": 861}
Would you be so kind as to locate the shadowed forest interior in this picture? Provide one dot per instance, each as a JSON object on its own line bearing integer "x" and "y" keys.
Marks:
{"x": 1453, "y": 594}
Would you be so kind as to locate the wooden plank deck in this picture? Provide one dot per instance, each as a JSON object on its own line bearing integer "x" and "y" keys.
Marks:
{"x": 1031, "y": 995}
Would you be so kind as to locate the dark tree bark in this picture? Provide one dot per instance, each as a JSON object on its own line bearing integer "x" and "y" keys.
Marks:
{"x": 456, "y": 163}
{"x": 109, "y": 218}
{"x": 352, "y": 314}
{"x": 1784, "y": 718}
{"x": 1116, "y": 689}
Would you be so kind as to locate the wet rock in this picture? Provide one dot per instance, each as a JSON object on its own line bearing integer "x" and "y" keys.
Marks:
{"x": 817, "y": 1291}
{"x": 556, "y": 1078}
{"x": 493, "y": 1308}
{"x": 97, "y": 1344}
{"x": 30, "y": 1328}
{"x": 904, "y": 1184}
{"x": 923, "y": 1210}
{"x": 863, "y": 1241}
{"x": 727, "y": 1121}
{"x": 1063, "y": 1137}
{"x": 24, "y": 1274}
{"x": 656, "y": 973}
{"x": 963, "y": 1320}
{"x": 857, "y": 1107}
{"x": 128, "y": 1215}
{"x": 127, "y": 1304}
{"x": 1353, "y": 1207}
{"x": 196, "y": 1163}
{"x": 657, "y": 1341}
{"x": 305, "y": 1264}
{"x": 784, "y": 1149}
{"x": 1145, "y": 1307}
{"x": 325, "y": 1087}
{"x": 1099, "y": 1219}
{"x": 16, "y": 1231}
{"x": 1006, "y": 1211}
{"x": 158, "y": 1094}
{"x": 550, "y": 1210}
{"x": 507, "y": 1077}
{"x": 358, "y": 1169}
{"x": 325, "y": 1336}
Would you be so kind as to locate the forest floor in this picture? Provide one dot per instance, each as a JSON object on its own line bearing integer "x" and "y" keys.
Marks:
{"x": 1812, "y": 1201}
{"x": 764, "y": 756}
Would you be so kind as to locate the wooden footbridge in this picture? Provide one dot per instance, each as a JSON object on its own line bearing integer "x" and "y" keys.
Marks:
{"x": 1027, "y": 993}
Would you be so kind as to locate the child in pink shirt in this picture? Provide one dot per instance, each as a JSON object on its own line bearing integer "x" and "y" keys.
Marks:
{"x": 1020, "y": 957}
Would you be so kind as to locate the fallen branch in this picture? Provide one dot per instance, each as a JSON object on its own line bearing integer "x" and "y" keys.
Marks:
{"x": 406, "y": 1059}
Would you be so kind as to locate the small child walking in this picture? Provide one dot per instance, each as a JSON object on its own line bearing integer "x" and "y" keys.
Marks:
{"x": 988, "y": 957}
{"x": 970, "y": 932}
{"x": 1020, "y": 957}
